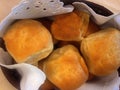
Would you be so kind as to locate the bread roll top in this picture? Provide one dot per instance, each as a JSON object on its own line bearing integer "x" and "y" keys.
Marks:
{"x": 101, "y": 51}
{"x": 27, "y": 40}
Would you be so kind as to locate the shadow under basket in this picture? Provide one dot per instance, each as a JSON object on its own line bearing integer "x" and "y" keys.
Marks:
{"x": 12, "y": 76}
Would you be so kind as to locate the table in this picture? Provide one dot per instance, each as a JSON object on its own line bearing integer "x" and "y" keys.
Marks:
{"x": 5, "y": 8}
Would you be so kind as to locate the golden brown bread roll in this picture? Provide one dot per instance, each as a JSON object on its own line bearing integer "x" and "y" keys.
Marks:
{"x": 71, "y": 26}
{"x": 66, "y": 68}
{"x": 28, "y": 41}
{"x": 101, "y": 51}
{"x": 47, "y": 85}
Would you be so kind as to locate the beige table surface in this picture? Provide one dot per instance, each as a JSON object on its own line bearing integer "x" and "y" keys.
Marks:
{"x": 5, "y": 7}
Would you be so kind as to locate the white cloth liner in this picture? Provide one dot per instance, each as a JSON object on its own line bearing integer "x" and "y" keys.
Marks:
{"x": 32, "y": 77}
{"x": 34, "y": 9}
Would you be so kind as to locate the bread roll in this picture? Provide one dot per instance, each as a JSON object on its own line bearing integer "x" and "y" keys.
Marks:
{"x": 101, "y": 51}
{"x": 65, "y": 68}
{"x": 71, "y": 26}
{"x": 28, "y": 41}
